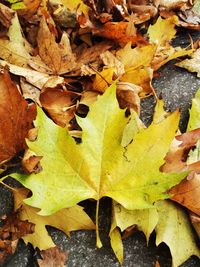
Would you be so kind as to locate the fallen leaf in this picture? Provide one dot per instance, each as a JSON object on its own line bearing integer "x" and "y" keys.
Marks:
{"x": 187, "y": 193}
{"x": 128, "y": 96}
{"x": 117, "y": 31}
{"x": 30, "y": 8}
{"x": 62, "y": 15}
{"x": 163, "y": 31}
{"x": 19, "y": 195}
{"x": 174, "y": 229}
{"x": 6, "y": 15}
{"x": 176, "y": 158}
{"x": 16, "y": 118}
{"x": 145, "y": 220}
{"x": 13, "y": 49}
{"x": 192, "y": 64}
{"x": 103, "y": 79}
{"x": 66, "y": 220}
{"x": 110, "y": 61}
{"x": 30, "y": 162}
{"x": 195, "y": 220}
{"x": 171, "y": 4}
{"x": 60, "y": 104}
{"x": 136, "y": 57}
{"x": 36, "y": 78}
{"x": 168, "y": 220}
{"x": 58, "y": 57}
{"x": 90, "y": 170}
{"x": 72, "y": 5}
{"x": 7, "y": 248}
{"x": 53, "y": 257}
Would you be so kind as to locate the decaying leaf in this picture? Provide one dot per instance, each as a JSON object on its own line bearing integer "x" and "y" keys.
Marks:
{"x": 53, "y": 257}
{"x": 16, "y": 118}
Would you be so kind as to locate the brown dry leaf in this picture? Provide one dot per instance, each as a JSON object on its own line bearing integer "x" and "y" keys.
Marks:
{"x": 30, "y": 162}
{"x": 91, "y": 54}
{"x": 157, "y": 264}
{"x": 7, "y": 248}
{"x": 187, "y": 193}
{"x": 58, "y": 57}
{"x": 16, "y": 118}
{"x": 19, "y": 195}
{"x": 128, "y": 96}
{"x": 171, "y": 4}
{"x": 36, "y": 78}
{"x": 31, "y": 7}
{"x": 53, "y": 257}
{"x": 6, "y": 15}
{"x": 11, "y": 230}
{"x": 195, "y": 220}
{"x": 110, "y": 61}
{"x": 14, "y": 228}
{"x": 140, "y": 8}
{"x": 176, "y": 158}
{"x": 118, "y": 31}
{"x": 15, "y": 48}
{"x": 60, "y": 104}
{"x": 29, "y": 91}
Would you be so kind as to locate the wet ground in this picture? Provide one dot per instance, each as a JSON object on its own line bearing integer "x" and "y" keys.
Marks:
{"x": 177, "y": 87}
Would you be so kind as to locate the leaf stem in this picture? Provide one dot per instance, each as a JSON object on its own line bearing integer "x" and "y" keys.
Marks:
{"x": 98, "y": 240}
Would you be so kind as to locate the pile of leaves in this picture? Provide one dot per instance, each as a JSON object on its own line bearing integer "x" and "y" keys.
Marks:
{"x": 72, "y": 74}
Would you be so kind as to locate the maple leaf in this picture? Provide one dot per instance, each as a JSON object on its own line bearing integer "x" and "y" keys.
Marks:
{"x": 88, "y": 171}
{"x": 16, "y": 118}
{"x": 174, "y": 229}
{"x": 192, "y": 64}
{"x": 29, "y": 9}
{"x": 58, "y": 57}
{"x": 35, "y": 78}
{"x": 60, "y": 104}
{"x": 187, "y": 193}
{"x": 137, "y": 64}
{"x": 6, "y": 15}
{"x": 185, "y": 155}
{"x": 161, "y": 33}
{"x": 15, "y": 49}
{"x": 168, "y": 220}
{"x": 66, "y": 220}
{"x": 53, "y": 257}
